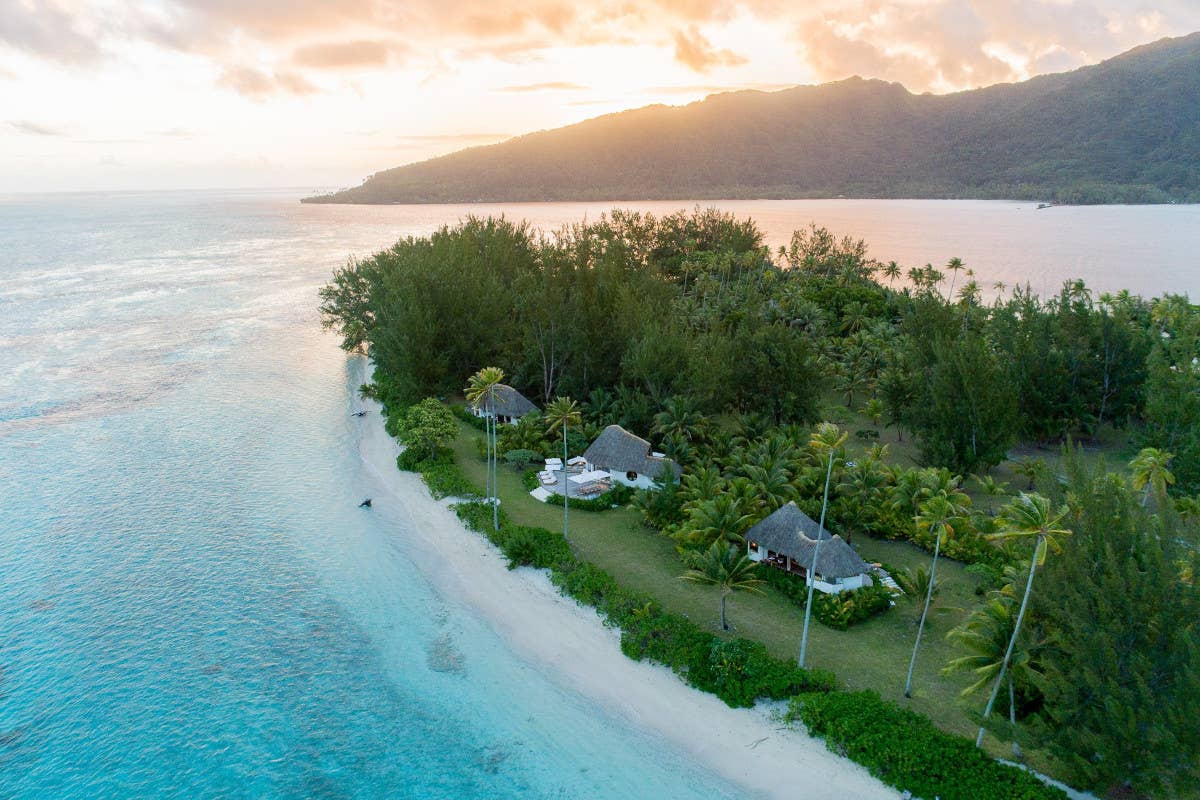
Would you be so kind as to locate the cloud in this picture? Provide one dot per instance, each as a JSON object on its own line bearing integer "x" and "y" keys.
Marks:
{"x": 939, "y": 45}
{"x": 257, "y": 84}
{"x": 948, "y": 45}
{"x": 34, "y": 128}
{"x": 549, "y": 86}
{"x": 48, "y": 31}
{"x": 346, "y": 55}
{"x": 695, "y": 51}
{"x": 714, "y": 88}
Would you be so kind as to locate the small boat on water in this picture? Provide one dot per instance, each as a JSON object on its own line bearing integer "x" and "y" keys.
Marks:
{"x": 1044, "y": 205}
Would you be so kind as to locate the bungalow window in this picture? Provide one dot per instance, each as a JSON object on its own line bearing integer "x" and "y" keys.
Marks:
{"x": 631, "y": 476}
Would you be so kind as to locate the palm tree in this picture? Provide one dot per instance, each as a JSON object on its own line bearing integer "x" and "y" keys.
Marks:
{"x": 910, "y": 492}
{"x": 727, "y": 567}
{"x": 875, "y": 409}
{"x": 935, "y": 516}
{"x": 915, "y": 584}
{"x": 721, "y": 519}
{"x": 985, "y": 635}
{"x": 1150, "y": 472}
{"x": 481, "y": 389}
{"x": 562, "y": 413}
{"x": 1028, "y": 515}
{"x": 773, "y": 484}
{"x": 828, "y": 439}
{"x": 678, "y": 417}
{"x": 989, "y": 485}
{"x": 851, "y": 380}
{"x": 891, "y": 271}
{"x": 954, "y": 265}
{"x": 863, "y": 485}
{"x": 1031, "y": 468}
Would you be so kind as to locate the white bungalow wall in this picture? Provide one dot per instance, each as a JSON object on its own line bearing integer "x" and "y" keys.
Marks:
{"x": 640, "y": 482}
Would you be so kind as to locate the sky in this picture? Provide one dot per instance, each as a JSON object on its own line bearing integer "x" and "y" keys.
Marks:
{"x": 154, "y": 94}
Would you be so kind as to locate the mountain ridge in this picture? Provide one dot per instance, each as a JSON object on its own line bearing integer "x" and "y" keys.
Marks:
{"x": 1124, "y": 130}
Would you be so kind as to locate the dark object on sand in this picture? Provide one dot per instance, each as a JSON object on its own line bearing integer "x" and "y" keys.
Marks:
{"x": 365, "y": 503}
{"x": 360, "y": 413}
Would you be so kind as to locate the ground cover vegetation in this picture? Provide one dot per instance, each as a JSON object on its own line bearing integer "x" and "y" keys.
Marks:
{"x": 686, "y": 330}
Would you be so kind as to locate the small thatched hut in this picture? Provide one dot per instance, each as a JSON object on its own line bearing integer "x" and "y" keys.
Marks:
{"x": 628, "y": 459}
{"x": 787, "y": 539}
{"x": 509, "y": 405}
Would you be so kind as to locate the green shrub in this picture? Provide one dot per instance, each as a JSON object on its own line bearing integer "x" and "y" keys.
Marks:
{"x": 739, "y": 671}
{"x": 414, "y": 459}
{"x": 617, "y": 496}
{"x": 476, "y": 515}
{"x": 669, "y": 639}
{"x": 529, "y": 480}
{"x": 591, "y": 586}
{"x": 988, "y": 578}
{"x": 867, "y": 434}
{"x": 464, "y": 413}
{"x": 447, "y": 480}
{"x": 840, "y": 611}
{"x": 519, "y": 458}
{"x": 837, "y": 611}
{"x": 534, "y": 547}
{"x": 905, "y": 750}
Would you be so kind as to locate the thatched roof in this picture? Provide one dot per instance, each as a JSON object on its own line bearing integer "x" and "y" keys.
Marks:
{"x": 508, "y": 403}
{"x": 618, "y": 450}
{"x": 790, "y": 532}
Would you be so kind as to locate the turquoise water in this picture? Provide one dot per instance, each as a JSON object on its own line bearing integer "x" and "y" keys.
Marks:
{"x": 191, "y": 603}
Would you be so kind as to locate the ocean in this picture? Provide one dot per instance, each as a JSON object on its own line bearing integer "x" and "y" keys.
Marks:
{"x": 192, "y": 603}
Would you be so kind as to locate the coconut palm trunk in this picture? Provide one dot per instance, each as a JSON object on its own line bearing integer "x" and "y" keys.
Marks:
{"x": 566, "y": 483}
{"x": 912, "y": 663}
{"x": 813, "y": 567}
{"x": 487, "y": 470}
{"x": 495, "y": 464}
{"x": 987, "y": 711}
{"x": 1012, "y": 716}
{"x": 563, "y": 412}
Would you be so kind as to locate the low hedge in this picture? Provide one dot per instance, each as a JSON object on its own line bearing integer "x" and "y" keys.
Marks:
{"x": 463, "y": 413}
{"x": 447, "y": 480}
{"x": 619, "y": 495}
{"x": 837, "y": 611}
{"x": 441, "y": 473}
{"x": 905, "y": 750}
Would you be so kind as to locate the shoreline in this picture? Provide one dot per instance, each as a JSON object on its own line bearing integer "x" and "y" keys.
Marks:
{"x": 743, "y": 746}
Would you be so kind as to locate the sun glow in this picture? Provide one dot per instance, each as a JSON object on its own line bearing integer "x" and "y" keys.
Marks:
{"x": 182, "y": 93}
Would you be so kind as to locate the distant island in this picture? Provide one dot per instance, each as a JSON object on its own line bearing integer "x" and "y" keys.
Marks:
{"x": 1126, "y": 130}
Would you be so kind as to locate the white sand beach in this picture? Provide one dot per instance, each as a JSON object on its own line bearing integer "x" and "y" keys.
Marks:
{"x": 744, "y": 746}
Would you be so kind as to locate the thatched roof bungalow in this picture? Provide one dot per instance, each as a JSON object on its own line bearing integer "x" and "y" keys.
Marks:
{"x": 787, "y": 539}
{"x": 629, "y": 459}
{"x": 509, "y": 405}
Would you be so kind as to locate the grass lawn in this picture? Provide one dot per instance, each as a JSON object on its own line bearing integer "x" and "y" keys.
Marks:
{"x": 872, "y": 654}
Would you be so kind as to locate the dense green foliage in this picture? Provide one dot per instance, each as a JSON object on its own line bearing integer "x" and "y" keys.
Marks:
{"x": 905, "y": 750}
{"x": 1119, "y": 609}
{"x": 688, "y": 332}
{"x": 1121, "y": 131}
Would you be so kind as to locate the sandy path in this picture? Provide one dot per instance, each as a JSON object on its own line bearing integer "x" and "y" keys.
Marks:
{"x": 742, "y": 745}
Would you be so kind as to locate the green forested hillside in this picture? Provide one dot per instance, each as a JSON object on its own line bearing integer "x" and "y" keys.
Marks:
{"x": 1125, "y": 130}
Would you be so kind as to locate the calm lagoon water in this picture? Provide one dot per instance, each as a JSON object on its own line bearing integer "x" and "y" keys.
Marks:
{"x": 190, "y": 602}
